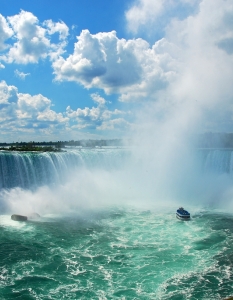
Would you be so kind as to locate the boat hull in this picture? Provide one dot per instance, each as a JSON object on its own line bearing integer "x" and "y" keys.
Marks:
{"x": 183, "y": 217}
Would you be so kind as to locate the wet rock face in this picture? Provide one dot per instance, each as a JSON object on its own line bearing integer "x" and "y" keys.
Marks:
{"x": 18, "y": 218}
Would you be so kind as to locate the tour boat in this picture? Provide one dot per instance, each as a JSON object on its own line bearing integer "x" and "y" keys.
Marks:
{"x": 182, "y": 214}
{"x": 18, "y": 218}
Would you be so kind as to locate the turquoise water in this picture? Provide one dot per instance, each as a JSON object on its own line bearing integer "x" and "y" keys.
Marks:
{"x": 117, "y": 254}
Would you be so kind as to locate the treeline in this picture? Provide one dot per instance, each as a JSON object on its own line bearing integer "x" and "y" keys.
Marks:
{"x": 35, "y": 148}
{"x": 205, "y": 140}
{"x": 62, "y": 144}
{"x": 95, "y": 143}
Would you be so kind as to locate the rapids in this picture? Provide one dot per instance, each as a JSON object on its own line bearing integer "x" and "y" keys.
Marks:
{"x": 117, "y": 254}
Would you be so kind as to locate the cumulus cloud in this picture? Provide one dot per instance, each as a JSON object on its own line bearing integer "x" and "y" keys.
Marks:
{"x": 5, "y": 32}
{"x": 8, "y": 93}
{"x": 20, "y": 112}
{"x": 143, "y": 12}
{"x": 152, "y": 16}
{"x": 97, "y": 117}
{"x": 118, "y": 123}
{"x": 98, "y": 99}
{"x": 35, "y": 112}
{"x": 8, "y": 105}
{"x": 23, "y": 112}
{"x": 114, "y": 65}
{"x": 60, "y": 27}
{"x": 32, "y": 43}
{"x": 33, "y": 40}
{"x": 21, "y": 75}
{"x": 90, "y": 61}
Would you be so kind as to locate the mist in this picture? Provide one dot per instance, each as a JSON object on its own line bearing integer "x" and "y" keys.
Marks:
{"x": 197, "y": 99}
{"x": 164, "y": 168}
{"x": 160, "y": 173}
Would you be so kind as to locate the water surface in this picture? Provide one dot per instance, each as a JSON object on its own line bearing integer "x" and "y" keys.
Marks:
{"x": 117, "y": 254}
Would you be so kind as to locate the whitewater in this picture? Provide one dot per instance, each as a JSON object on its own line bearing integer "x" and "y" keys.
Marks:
{"x": 108, "y": 228}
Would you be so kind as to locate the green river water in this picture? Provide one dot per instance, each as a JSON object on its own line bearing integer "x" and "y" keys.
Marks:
{"x": 117, "y": 254}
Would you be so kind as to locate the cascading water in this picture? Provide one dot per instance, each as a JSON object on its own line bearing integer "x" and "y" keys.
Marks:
{"x": 218, "y": 161}
{"x": 105, "y": 246}
{"x": 32, "y": 169}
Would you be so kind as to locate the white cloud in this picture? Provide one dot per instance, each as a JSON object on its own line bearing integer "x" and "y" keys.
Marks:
{"x": 33, "y": 40}
{"x": 8, "y": 104}
{"x": 37, "y": 110}
{"x": 115, "y": 124}
{"x": 59, "y": 27}
{"x": 23, "y": 112}
{"x": 114, "y": 65}
{"x": 98, "y": 99}
{"x": 97, "y": 117}
{"x": 21, "y": 75}
{"x": 143, "y": 12}
{"x": 100, "y": 60}
{"x": 152, "y": 16}
{"x": 32, "y": 43}
{"x": 5, "y": 32}
{"x": 8, "y": 93}
{"x": 29, "y": 106}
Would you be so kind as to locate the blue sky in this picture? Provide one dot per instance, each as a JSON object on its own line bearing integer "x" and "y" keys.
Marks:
{"x": 110, "y": 69}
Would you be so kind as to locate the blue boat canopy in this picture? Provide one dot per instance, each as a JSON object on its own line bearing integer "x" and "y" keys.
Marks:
{"x": 181, "y": 213}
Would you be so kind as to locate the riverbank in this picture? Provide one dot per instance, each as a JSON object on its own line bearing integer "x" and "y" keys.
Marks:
{"x": 34, "y": 148}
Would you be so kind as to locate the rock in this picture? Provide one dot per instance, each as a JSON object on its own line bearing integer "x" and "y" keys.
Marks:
{"x": 18, "y": 218}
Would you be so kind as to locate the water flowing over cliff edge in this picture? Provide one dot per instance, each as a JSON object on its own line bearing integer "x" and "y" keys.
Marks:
{"x": 33, "y": 169}
{"x": 119, "y": 173}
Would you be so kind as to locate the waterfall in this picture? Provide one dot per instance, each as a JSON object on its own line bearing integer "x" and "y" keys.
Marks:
{"x": 217, "y": 160}
{"x": 32, "y": 169}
